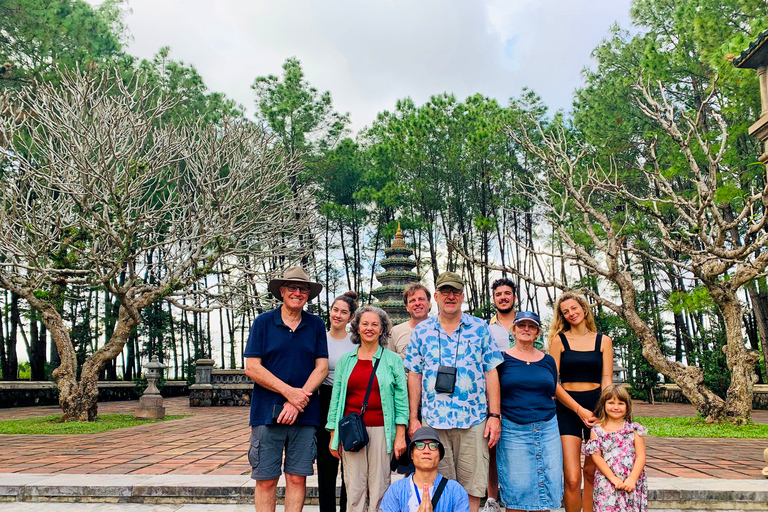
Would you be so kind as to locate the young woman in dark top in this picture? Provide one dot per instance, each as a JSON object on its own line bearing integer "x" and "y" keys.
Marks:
{"x": 585, "y": 364}
{"x": 529, "y": 457}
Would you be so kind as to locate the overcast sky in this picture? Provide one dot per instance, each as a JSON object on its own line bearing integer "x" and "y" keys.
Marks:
{"x": 371, "y": 53}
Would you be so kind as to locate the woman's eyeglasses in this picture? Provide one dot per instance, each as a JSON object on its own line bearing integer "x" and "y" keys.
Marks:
{"x": 423, "y": 444}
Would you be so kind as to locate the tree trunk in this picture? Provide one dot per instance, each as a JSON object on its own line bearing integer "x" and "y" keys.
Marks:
{"x": 36, "y": 348}
{"x": 70, "y": 395}
{"x": 13, "y": 360}
{"x": 741, "y": 362}
{"x": 81, "y": 404}
{"x": 759, "y": 298}
{"x": 3, "y": 357}
{"x": 689, "y": 378}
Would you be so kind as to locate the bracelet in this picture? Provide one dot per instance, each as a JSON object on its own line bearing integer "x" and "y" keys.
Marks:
{"x": 494, "y": 415}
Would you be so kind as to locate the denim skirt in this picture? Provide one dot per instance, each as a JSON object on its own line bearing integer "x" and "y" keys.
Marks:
{"x": 530, "y": 464}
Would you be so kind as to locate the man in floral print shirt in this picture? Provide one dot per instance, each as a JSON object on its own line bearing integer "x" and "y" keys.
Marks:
{"x": 465, "y": 407}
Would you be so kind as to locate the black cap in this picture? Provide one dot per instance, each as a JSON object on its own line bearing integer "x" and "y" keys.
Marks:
{"x": 427, "y": 434}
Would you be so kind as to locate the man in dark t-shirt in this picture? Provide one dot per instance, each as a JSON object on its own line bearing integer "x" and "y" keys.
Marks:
{"x": 287, "y": 358}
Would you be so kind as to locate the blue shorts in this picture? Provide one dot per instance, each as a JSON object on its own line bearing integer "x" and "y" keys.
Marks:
{"x": 265, "y": 453}
{"x": 530, "y": 464}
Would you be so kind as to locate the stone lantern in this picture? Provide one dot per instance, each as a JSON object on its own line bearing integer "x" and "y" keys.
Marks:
{"x": 151, "y": 402}
{"x": 756, "y": 57}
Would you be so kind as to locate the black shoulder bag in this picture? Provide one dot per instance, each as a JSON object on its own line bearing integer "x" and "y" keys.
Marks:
{"x": 352, "y": 434}
{"x": 438, "y": 492}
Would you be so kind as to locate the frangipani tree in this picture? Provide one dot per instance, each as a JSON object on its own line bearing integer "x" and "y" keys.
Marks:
{"x": 712, "y": 227}
{"x": 97, "y": 189}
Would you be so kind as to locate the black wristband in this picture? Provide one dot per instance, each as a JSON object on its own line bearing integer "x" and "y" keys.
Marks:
{"x": 494, "y": 415}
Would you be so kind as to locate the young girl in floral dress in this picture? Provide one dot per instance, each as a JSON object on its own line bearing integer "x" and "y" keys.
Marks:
{"x": 618, "y": 448}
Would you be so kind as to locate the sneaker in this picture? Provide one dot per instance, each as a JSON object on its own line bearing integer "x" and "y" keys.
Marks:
{"x": 491, "y": 505}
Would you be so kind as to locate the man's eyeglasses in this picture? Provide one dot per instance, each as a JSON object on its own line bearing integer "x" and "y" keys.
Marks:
{"x": 420, "y": 445}
{"x": 292, "y": 288}
{"x": 447, "y": 292}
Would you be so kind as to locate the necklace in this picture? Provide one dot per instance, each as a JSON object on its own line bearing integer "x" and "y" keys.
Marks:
{"x": 521, "y": 354}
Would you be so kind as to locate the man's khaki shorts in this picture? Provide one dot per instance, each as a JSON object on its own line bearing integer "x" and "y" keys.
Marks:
{"x": 466, "y": 458}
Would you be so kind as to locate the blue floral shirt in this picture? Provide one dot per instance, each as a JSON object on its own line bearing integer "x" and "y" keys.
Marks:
{"x": 472, "y": 351}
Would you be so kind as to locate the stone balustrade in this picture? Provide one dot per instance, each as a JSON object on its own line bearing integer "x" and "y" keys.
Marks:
{"x": 215, "y": 387}
{"x": 233, "y": 387}
{"x": 24, "y": 393}
{"x": 672, "y": 393}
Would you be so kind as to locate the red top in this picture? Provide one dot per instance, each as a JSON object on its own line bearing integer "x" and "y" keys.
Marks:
{"x": 356, "y": 386}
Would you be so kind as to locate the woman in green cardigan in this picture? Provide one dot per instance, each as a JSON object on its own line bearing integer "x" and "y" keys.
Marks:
{"x": 366, "y": 472}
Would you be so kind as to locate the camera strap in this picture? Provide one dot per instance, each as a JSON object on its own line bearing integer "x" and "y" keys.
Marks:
{"x": 440, "y": 347}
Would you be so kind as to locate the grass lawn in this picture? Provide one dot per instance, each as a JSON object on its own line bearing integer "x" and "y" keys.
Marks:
{"x": 697, "y": 427}
{"x": 53, "y": 424}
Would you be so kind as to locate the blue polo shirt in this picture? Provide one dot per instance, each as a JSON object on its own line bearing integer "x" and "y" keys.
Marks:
{"x": 290, "y": 356}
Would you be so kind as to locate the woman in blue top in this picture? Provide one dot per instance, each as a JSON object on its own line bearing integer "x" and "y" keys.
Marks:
{"x": 529, "y": 454}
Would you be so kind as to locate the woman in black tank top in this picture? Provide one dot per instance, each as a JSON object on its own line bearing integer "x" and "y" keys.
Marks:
{"x": 585, "y": 364}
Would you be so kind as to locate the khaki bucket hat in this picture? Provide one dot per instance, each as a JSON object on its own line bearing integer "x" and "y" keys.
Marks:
{"x": 294, "y": 275}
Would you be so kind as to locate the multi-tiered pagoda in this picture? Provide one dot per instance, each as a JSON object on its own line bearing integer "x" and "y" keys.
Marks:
{"x": 398, "y": 273}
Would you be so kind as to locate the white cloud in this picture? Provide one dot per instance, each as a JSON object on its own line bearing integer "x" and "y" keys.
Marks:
{"x": 370, "y": 53}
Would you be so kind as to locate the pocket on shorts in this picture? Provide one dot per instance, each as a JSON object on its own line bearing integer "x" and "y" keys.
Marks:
{"x": 253, "y": 454}
{"x": 314, "y": 447}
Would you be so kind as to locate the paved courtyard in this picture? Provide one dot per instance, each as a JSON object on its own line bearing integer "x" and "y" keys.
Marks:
{"x": 213, "y": 441}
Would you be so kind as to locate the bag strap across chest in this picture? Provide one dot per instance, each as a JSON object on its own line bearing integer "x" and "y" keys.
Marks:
{"x": 370, "y": 384}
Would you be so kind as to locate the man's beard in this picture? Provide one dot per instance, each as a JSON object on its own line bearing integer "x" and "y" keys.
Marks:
{"x": 506, "y": 310}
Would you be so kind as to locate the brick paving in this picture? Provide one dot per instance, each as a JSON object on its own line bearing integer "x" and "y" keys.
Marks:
{"x": 213, "y": 441}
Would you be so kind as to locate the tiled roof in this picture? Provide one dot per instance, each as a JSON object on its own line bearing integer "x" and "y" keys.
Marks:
{"x": 757, "y": 52}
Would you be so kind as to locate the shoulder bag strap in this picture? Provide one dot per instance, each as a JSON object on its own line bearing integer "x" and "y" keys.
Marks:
{"x": 370, "y": 384}
{"x": 438, "y": 492}
{"x": 566, "y": 346}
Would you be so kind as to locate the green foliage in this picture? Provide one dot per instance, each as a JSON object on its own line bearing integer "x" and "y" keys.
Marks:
{"x": 297, "y": 112}
{"x": 182, "y": 82}
{"x": 640, "y": 375}
{"x": 37, "y": 36}
{"x": 52, "y": 425}
{"x": 695, "y": 300}
{"x": 717, "y": 376}
{"x": 25, "y": 371}
{"x": 697, "y": 427}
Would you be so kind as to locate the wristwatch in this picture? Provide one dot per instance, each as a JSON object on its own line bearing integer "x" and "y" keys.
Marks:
{"x": 494, "y": 415}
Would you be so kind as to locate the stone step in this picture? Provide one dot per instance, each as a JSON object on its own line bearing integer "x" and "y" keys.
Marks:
{"x": 193, "y": 507}
{"x": 664, "y": 493}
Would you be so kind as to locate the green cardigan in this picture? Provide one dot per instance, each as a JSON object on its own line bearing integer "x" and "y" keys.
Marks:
{"x": 392, "y": 385}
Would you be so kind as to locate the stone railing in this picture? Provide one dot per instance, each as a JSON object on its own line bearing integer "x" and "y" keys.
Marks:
{"x": 219, "y": 387}
{"x": 672, "y": 393}
{"x": 25, "y": 393}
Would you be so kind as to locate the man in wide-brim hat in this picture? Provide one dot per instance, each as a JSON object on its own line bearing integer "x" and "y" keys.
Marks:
{"x": 287, "y": 358}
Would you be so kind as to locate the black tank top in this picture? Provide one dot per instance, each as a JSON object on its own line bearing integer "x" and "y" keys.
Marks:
{"x": 581, "y": 365}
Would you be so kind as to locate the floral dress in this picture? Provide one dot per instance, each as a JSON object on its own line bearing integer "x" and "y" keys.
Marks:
{"x": 618, "y": 450}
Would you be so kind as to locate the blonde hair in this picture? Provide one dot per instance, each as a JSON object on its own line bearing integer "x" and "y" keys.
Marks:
{"x": 613, "y": 391}
{"x": 560, "y": 324}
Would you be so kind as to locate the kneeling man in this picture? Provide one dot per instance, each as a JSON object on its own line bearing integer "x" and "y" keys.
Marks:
{"x": 415, "y": 493}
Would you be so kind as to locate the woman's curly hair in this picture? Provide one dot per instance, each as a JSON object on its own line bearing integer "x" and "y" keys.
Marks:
{"x": 386, "y": 325}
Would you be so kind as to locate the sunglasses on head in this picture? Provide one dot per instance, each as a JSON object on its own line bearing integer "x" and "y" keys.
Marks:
{"x": 433, "y": 445}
